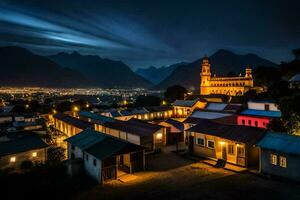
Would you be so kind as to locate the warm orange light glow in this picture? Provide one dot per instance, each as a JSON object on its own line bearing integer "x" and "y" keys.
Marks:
{"x": 34, "y": 154}
{"x": 163, "y": 103}
{"x": 159, "y": 136}
{"x": 75, "y": 108}
{"x": 87, "y": 105}
{"x": 13, "y": 159}
{"x": 222, "y": 143}
{"x": 179, "y": 111}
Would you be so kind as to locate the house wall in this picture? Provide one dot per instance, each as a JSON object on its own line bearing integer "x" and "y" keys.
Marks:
{"x": 149, "y": 142}
{"x": 292, "y": 165}
{"x": 137, "y": 160}
{"x": 88, "y": 162}
{"x": 216, "y": 152}
{"x": 77, "y": 152}
{"x": 21, "y": 157}
{"x": 66, "y": 128}
{"x": 261, "y": 106}
{"x": 95, "y": 171}
{"x": 160, "y": 138}
{"x": 250, "y": 121}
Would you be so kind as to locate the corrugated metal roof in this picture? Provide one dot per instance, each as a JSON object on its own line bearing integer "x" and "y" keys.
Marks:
{"x": 134, "y": 126}
{"x": 244, "y": 134}
{"x": 263, "y": 113}
{"x": 281, "y": 142}
{"x": 216, "y": 106}
{"x": 94, "y": 116}
{"x": 102, "y": 145}
{"x": 209, "y": 115}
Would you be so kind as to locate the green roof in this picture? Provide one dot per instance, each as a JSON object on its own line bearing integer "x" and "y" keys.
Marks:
{"x": 102, "y": 145}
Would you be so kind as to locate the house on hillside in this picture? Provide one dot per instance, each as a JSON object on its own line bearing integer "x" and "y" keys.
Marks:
{"x": 232, "y": 143}
{"x": 183, "y": 108}
{"x": 294, "y": 82}
{"x": 16, "y": 148}
{"x": 259, "y": 114}
{"x": 280, "y": 155}
{"x": 136, "y": 131}
{"x": 102, "y": 156}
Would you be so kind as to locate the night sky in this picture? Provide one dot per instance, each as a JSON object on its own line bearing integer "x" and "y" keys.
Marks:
{"x": 143, "y": 33}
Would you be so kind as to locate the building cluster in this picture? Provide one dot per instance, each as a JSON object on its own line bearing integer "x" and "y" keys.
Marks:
{"x": 108, "y": 144}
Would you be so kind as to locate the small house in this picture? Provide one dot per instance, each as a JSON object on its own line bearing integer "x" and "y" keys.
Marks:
{"x": 151, "y": 136}
{"x": 280, "y": 155}
{"x": 103, "y": 156}
{"x": 16, "y": 148}
{"x": 232, "y": 143}
{"x": 259, "y": 114}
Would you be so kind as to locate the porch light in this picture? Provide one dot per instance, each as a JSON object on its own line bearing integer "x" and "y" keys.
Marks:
{"x": 12, "y": 159}
{"x": 159, "y": 136}
{"x": 222, "y": 143}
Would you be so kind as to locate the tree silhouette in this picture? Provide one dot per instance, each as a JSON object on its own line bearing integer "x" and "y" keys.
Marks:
{"x": 296, "y": 53}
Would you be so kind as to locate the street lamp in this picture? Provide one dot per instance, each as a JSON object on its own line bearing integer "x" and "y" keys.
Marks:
{"x": 75, "y": 108}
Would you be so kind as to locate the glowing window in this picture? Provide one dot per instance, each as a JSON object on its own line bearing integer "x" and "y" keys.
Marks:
{"x": 12, "y": 159}
{"x": 34, "y": 154}
{"x": 159, "y": 136}
{"x": 273, "y": 159}
{"x": 282, "y": 160}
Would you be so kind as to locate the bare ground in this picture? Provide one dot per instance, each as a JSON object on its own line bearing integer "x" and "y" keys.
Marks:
{"x": 172, "y": 177}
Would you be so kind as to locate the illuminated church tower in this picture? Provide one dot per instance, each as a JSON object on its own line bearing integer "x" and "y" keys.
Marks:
{"x": 205, "y": 76}
{"x": 231, "y": 86}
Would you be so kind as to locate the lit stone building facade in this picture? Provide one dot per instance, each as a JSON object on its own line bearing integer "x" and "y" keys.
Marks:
{"x": 224, "y": 85}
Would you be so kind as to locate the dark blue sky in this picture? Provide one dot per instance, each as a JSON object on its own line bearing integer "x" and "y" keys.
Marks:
{"x": 143, "y": 33}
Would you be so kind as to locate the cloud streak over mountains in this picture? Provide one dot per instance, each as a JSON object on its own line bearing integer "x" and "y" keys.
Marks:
{"x": 141, "y": 33}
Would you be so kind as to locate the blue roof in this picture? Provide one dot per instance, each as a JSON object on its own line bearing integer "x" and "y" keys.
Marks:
{"x": 216, "y": 106}
{"x": 94, "y": 116}
{"x": 281, "y": 142}
{"x": 262, "y": 113}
